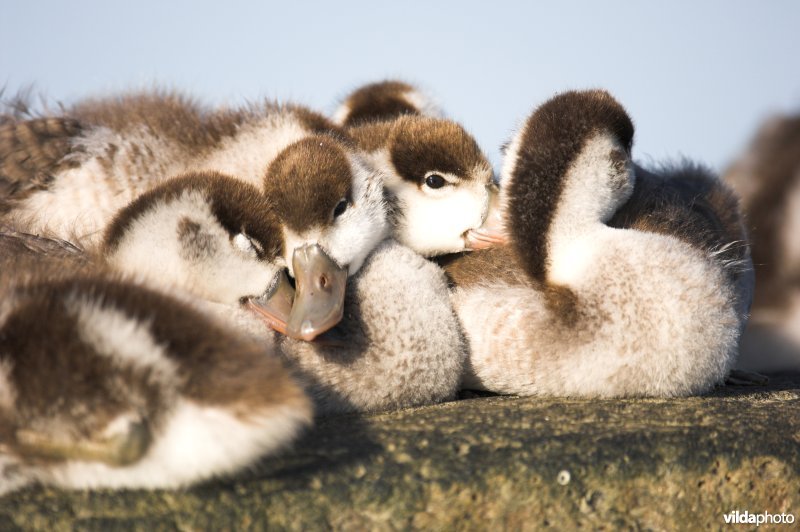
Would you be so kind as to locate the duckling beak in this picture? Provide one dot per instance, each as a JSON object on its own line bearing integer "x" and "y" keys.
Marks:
{"x": 275, "y": 306}
{"x": 492, "y": 232}
{"x": 319, "y": 299}
{"x": 483, "y": 238}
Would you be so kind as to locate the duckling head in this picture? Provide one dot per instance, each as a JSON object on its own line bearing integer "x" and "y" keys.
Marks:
{"x": 384, "y": 100}
{"x": 326, "y": 195}
{"x": 331, "y": 212}
{"x": 217, "y": 238}
{"x": 207, "y": 233}
{"x": 440, "y": 185}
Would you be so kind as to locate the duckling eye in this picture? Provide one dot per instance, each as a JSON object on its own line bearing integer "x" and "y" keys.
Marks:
{"x": 340, "y": 208}
{"x": 435, "y": 181}
{"x": 247, "y": 245}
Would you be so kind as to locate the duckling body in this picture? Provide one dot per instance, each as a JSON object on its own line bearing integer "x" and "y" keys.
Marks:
{"x": 596, "y": 296}
{"x": 69, "y": 174}
{"x": 767, "y": 176}
{"x": 400, "y": 341}
{"x": 107, "y": 383}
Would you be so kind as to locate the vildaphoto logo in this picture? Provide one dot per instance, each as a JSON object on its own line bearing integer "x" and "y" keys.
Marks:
{"x": 737, "y": 517}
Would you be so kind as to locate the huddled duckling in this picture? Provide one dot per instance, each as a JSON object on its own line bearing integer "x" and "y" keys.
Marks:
{"x": 438, "y": 182}
{"x": 384, "y": 100}
{"x": 616, "y": 281}
{"x": 767, "y": 177}
{"x": 105, "y": 382}
{"x": 67, "y": 175}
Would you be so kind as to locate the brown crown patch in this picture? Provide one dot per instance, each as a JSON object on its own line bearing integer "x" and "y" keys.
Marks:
{"x": 379, "y": 101}
{"x": 420, "y": 144}
{"x": 371, "y": 137}
{"x": 315, "y": 122}
{"x": 552, "y": 138}
{"x": 307, "y": 180}
{"x": 238, "y": 206}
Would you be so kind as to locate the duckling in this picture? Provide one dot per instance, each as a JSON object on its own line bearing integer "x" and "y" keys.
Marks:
{"x": 67, "y": 175}
{"x": 398, "y": 344}
{"x": 767, "y": 177}
{"x": 325, "y": 194}
{"x": 438, "y": 182}
{"x": 384, "y": 100}
{"x": 107, "y": 383}
{"x": 596, "y": 296}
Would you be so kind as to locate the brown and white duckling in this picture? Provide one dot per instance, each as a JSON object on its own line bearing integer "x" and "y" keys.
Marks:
{"x": 398, "y": 344}
{"x": 573, "y": 306}
{"x": 107, "y": 383}
{"x": 325, "y": 195}
{"x": 767, "y": 176}
{"x": 384, "y": 100}
{"x": 438, "y": 182}
{"x": 68, "y": 175}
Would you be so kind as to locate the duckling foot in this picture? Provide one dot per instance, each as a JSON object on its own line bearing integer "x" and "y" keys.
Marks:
{"x": 738, "y": 377}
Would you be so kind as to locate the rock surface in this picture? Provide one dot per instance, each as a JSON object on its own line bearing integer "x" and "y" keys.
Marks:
{"x": 488, "y": 462}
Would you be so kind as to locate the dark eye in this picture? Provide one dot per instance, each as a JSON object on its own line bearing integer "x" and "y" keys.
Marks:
{"x": 435, "y": 181}
{"x": 340, "y": 208}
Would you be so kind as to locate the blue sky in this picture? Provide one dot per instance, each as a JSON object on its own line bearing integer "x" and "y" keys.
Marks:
{"x": 697, "y": 77}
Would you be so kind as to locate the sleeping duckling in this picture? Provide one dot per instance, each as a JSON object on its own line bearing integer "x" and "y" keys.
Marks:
{"x": 107, "y": 383}
{"x": 767, "y": 176}
{"x": 67, "y": 175}
{"x": 384, "y": 100}
{"x": 597, "y": 294}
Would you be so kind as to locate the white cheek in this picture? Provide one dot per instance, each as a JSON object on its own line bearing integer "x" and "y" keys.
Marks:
{"x": 354, "y": 236}
{"x": 433, "y": 225}
{"x": 356, "y": 233}
{"x": 230, "y": 277}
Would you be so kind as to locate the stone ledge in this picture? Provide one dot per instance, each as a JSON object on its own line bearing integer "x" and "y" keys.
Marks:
{"x": 515, "y": 463}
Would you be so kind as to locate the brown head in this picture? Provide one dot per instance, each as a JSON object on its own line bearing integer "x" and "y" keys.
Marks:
{"x": 436, "y": 177}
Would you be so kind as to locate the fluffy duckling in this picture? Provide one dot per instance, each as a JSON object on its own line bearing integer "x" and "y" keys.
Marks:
{"x": 107, "y": 383}
{"x": 324, "y": 194}
{"x": 767, "y": 176}
{"x": 398, "y": 344}
{"x": 68, "y": 175}
{"x": 575, "y": 306}
{"x": 438, "y": 182}
{"x": 384, "y": 100}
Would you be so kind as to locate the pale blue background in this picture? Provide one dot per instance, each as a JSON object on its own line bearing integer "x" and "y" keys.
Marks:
{"x": 697, "y": 77}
